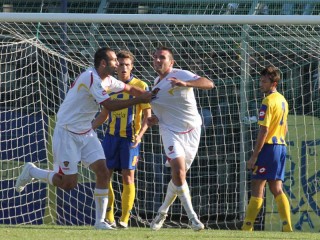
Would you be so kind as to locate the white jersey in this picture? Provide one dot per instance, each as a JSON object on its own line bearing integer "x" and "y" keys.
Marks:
{"x": 176, "y": 107}
{"x": 83, "y": 98}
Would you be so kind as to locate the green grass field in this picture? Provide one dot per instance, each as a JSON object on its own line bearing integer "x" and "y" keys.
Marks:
{"x": 52, "y": 232}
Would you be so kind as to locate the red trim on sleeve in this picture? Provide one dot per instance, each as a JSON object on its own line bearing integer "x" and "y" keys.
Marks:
{"x": 91, "y": 80}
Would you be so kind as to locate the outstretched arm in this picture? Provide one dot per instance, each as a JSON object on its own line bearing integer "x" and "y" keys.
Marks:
{"x": 133, "y": 90}
{"x": 115, "y": 104}
{"x": 201, "y": 82}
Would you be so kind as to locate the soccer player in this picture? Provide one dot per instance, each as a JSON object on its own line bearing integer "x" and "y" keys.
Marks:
{"x": 269, "y": 156}
{"x": 121, "y": 143}
{"x": 175, "y": 110}
{"x": 74, "y": 140}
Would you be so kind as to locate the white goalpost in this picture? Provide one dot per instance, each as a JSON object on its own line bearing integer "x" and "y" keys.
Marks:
{"x": 42, "y": 53}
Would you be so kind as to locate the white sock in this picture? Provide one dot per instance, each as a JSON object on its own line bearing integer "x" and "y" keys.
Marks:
{"x": 101, "y": 201}
{"x": 42, "y": 175}
{"x": 183, "y": 193}
{"x": 169, "y": 199}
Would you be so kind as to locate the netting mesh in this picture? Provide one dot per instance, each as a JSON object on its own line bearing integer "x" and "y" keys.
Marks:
{"x": 40, "y": 60}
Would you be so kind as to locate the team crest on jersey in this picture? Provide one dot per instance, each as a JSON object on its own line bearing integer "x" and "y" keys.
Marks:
{"x": 66, "y": 163}
{"x": 262, "y": 112}
{"x": 155, "y": 92}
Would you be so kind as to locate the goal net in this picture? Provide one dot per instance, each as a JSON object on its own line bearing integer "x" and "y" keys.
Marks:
{"x": 42, "y": 54}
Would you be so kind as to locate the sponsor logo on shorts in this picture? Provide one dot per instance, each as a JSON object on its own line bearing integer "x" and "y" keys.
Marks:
{"x": 262, "y": 170}
{"x": 171, "y": 149}
{"x": 134, "y": 161}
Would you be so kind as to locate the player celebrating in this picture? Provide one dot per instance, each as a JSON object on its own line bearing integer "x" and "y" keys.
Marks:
{"x": 74, "y": 139}
{"x": 269, "y": 156}
{"x": 122, "y": 139}
{"x": 175, "y": 110}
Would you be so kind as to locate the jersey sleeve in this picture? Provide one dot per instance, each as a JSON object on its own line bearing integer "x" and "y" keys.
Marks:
{"x": 186, "y": 75}
{"x": 265, "y": 113}
{"x": 112, "y": 84}
{"x": 98, "y": 92}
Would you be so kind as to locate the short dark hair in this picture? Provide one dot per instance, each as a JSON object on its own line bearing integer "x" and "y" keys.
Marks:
{"x": 164, "y": 48}
{"x": 101, "y": 54}
{"x": 272, "y": 72}
{"x": 125, "y": 54}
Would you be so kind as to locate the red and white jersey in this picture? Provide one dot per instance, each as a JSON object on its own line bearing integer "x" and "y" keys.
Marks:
{"x": 83, "y": 98}
{"x": 176, "y": 107}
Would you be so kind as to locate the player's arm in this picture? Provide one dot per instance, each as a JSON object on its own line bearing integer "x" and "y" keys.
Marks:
{"x": 100, "y": 119}
{"x": 153, "y": 120}
{"x": 133, "y": 90}
{"x": 115, "y": 104}
{"x": 201, "y": 82}
{"x": 144, "y": 126}
{"x": 262, "y": 135}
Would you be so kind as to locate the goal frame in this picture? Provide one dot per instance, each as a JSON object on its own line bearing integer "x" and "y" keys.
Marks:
{"x": 177, "y": 19}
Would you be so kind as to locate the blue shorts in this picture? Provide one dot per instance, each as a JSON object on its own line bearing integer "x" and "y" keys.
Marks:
{"x": 119, "y": 154}
{"x": 271, "y": 163}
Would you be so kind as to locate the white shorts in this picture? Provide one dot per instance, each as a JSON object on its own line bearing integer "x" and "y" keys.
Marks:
{"x": 181, "y": 144}
{"x": 71, "y": 148}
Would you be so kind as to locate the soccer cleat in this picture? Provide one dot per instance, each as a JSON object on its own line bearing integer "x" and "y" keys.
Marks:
{"x": 123, "y": 225}
{"x": 286, "y": 227}
{"x": 196, "y": 224}
{"x": 158, "y": 221}
{"x": 24, "y": 177}
{"x": 103, "y": 226}
{"x": 247, "y": 226}
{"x": 112, "y": 224}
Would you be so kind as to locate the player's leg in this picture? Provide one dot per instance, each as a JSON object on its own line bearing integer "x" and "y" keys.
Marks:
{"x": 65, "y": 172}
{"x": 255, "y": 203}
{"x": 110, "y": 146}
{"x": 178, "y": 170}
{"x": 275, "y": 186}
{"x": 128, "y": 161}
{"x": 170, "y": 197}
{"x": 93, "y": 156}
{"x": 282, "y": 204}
{"x": 171, "y": 194}
{"x": 101, "y": 193}
{"x": 127, "y": 197}
{"x": 189, "y": 143}
{"x": 110, "y": 208}
{"x": 265, "y": 168}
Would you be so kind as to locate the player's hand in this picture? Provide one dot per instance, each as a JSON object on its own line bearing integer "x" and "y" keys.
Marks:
{"x": 153, "y": 120}
{"x": 177, "y": 82}
{"x": 145, "y": 97}
{"x": 137, "y": 140}
{"x": 251, "y": 163}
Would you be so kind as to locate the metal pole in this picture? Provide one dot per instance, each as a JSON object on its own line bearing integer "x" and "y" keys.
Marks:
{"x": 63, "y": 84}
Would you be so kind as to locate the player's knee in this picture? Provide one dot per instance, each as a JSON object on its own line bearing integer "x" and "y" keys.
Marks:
{"x": 275, "y": 190}
{"x": 102, "y": 173}
{"x": 179, "y": 174}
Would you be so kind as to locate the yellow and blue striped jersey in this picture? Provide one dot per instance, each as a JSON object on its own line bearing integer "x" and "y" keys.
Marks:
{"x": 273, "y": 114}
{"x": 127, "y": 122}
